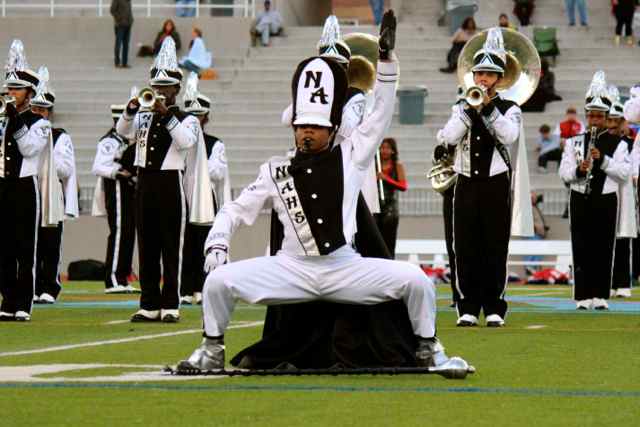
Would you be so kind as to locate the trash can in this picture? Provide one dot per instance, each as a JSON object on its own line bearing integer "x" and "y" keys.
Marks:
{"x": 412, "y": 104}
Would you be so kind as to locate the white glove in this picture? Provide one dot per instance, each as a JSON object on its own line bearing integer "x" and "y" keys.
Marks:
{"x": 216, "y": 256}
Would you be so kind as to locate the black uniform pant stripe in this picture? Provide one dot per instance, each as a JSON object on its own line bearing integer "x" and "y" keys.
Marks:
{"x": 622, "y": 264}
{"x": 161, "y": 217}
{"x": 593, "y": 237}
{"x": 193, "y": 275}
{"x": 49, "y": 260}
{"x": 20, "y": 217}
{"x": 120, "y": 206}
{"x": 482, "y": 226}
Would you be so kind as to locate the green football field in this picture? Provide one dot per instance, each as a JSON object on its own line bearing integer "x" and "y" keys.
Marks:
{"x": 81, "y": 363}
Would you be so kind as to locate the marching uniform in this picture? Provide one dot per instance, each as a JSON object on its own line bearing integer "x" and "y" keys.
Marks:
{"x": 116, "y": 194}
{"x": 628, "y": 210}
{"x": 317, "y": 208}
{"x": 49, "y": 254}
{"x": 193, "y": 275}
{"x": 482, "y": 198}
{"x": 593, "y": 203}
{"x": 49, "y": 258}
{"x": 161, "y": 209}
{"x": 23, "y": 137}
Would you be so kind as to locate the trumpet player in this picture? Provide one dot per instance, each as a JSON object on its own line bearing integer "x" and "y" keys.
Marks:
{"x": 595, "y": 164}
{"x": 23, "y": 136}
{"x": 162, "y": 136}
{"x": 481, "y": 129}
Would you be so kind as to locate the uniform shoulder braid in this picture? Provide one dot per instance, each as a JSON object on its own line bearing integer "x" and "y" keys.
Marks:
{"x": 56, "y": 132}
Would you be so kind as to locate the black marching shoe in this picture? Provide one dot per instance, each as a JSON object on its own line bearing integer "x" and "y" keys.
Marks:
{"x": 209, "y": 356}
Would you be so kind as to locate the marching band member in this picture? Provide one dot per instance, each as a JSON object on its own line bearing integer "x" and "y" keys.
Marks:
{"x": 49, "y": 258}
{"x": 115, "y": 198}
{"x": 193, "y": 275}
{"x": 163, "y": 136}
{"x": 317, "y": 207}
{"x": 595, "y": 164}
{"x": 361, "y": 74}
{"x": 23, "y": 136}
{"x": 482, "y": 201}
{"x": 627, "y": 218}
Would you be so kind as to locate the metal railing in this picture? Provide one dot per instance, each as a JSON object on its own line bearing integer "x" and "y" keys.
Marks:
{"x": 415, "y": 202}
{"x": 248, "y": 7}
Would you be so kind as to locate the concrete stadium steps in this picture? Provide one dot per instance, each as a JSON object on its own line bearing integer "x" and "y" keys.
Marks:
{"x": 88, "y": 8}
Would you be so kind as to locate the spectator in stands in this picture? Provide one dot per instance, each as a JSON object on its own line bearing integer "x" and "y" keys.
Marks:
{"x": 393, "y": 178}
{"x": 185, "y": 9}
{"x": 123, "y": 20}
{"x": 377, "y": 8}
{"x": 523, "y": 9}
{"x": 548, "y": 148}
{"x": 168, "y": 30}
{"x": 571, "y": 12}
{"x": 503, "y": 21}
{"x": 268, "y": 23}
{"x": 624, "y": 10}
{"x": 546, "y": 90}
{"x": 460, "y": 37}
{"x": 198, "y": 57}
{"x": 570, "y": 126}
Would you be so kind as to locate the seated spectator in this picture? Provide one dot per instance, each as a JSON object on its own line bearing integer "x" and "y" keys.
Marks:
{"x": 545, "y": 92}
{"x": 523, "y": 9}
{"x": 168, "y": 30}
{"x": 503, "y": 21}
{"x": 548, "y": 148}
{"x": 460, "y": 37}
{"x": 198, "y": 57}
{"x": 268, "y": 23}
{"x": 569, "y": 127}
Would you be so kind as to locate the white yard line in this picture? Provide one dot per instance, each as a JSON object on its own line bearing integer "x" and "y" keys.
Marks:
{"x": 120, "y": 340}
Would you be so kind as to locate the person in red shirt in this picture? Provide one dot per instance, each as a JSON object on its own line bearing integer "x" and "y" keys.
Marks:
{"x": 570, "y": 126}
{"x": 393, "y": 178}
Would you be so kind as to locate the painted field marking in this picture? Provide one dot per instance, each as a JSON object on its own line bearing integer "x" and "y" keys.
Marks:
{"x": 236, "y": 387}
{"x": 536, "y": 326}
{"x": 121, "y": 340}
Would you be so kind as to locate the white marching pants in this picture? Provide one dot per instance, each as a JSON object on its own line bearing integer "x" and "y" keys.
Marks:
{"x": 342, "y": 277}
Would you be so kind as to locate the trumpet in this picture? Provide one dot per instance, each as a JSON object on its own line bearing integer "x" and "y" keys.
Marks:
{"x": 4, "y": 101}
{"x": 146, "y": 98}
{"x": 474, "y": 96}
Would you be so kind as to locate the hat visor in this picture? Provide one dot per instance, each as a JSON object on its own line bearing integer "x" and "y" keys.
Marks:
{"x": 337, "y": 57}
{"x": 488, "y": 67}
{"x": 164, "y": 82}
{"x": 197, "y": 111}
{"x": 42, "y": 104}
{"x": 18, "y": 84}
{"x": 312, "y": 119}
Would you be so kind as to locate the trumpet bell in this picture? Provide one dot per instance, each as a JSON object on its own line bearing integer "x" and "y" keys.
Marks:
{"x": 146, "y": 98}
{"x": 523, "y": 66}
{"x": 474, "y": 96}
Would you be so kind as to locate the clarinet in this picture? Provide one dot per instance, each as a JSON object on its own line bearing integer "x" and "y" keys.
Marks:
{"x": 592, "y": 144}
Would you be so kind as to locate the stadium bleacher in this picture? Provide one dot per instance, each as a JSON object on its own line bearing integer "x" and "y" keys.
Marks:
{"x": 254, "y": 83}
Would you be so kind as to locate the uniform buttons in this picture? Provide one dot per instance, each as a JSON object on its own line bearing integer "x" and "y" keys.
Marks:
{"x": 8, "y": 158}
{"x": 157, "y": 124}
{"x": 308, "y": 170}
{"x": 327, "y": 244}
{"x": 153, "y": 148}
{"x": 155, "y": 136}
{"x": 314, "y": 196}
{"x": 319, "y": 221}
{"x": 477, "y": 138}
{"x": 9, "y": 144}
{"x": 149, "y": 163}
{"x": 476, "y": 172}
{"x": 477, "y": 154}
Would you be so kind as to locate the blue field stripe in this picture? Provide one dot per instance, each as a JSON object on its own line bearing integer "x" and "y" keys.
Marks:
{"x": 321, "y": 388}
